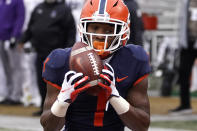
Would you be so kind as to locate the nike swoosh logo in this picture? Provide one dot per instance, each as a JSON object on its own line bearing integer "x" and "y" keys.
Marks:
{"x": 121, "y": 79}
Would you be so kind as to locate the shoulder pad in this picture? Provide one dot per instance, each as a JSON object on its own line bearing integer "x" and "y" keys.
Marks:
{"x": 58, "y": 58}
{"x": 56, "y": 65}
{"x": 137, "y": 52}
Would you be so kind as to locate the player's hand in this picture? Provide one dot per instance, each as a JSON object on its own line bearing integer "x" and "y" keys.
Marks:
{"x": 73, "y": 84}
{"x": 108, "y": 83}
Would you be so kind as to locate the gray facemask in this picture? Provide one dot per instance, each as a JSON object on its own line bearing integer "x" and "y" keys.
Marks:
{"x": 50, "y": 1}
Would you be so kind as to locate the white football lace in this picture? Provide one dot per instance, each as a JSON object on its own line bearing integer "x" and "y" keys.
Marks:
{"x": 93, "y": 63}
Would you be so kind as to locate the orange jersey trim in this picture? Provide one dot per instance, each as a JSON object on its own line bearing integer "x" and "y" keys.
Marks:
{"x": 45, "y": 64}
{"x": 52, "y": 84}
{"x": 140, "y": 79}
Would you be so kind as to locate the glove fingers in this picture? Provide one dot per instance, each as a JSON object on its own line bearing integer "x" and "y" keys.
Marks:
{"x": 75, "y": 78}
{"x": 109, "y": 67}
{"x": 80, "y": 83}
{"x": 75, "y": 93}
{"x": 68, "y": 75}
{"x": 105, "y": 79}
{"x": 109, "y": 90}
{"x": 83, "y": 88}
{"x": 66, "y": 78}
{"x": 108, "y": 73}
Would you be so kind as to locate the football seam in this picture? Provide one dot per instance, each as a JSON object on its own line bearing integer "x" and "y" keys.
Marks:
{"x": 93, "y": 63}
{"x": 80, "y": 50}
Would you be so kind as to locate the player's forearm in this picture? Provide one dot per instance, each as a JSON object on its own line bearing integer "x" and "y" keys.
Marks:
{"x": 134, "y": 118}
{"x": 50, "y": 122}
{"x": 53, "y": 119}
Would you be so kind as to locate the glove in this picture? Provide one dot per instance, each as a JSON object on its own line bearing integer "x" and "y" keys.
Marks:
{"x": 108, "y": 83}
{"x": 73, "y": 84}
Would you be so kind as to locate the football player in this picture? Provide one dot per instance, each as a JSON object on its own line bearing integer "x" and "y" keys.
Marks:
{"x": 104, "y": 26}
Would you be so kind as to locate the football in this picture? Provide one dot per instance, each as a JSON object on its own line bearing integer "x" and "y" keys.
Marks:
{"x": 84, "y": 59}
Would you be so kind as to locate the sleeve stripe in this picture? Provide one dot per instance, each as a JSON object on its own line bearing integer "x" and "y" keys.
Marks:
{"x": 45, "y": 64}
{"x": 140, "y": 79}
{"x": 52, "y": 84}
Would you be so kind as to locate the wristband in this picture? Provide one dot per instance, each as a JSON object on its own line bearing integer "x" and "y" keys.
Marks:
{"x": 120, "y": 105}
{"x": 59, "y": 109}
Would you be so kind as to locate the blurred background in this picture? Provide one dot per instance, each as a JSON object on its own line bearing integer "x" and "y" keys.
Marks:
{"x": 162, "y": 27}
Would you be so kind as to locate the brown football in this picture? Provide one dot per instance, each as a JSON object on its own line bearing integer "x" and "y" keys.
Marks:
{"x": 84, "y": 59}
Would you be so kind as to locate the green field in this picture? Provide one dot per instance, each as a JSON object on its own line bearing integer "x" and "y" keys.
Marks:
{"x": 186, "y": 125}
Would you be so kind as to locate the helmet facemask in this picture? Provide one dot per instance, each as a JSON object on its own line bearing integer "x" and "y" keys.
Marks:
{"x": 112, "y": 12}
{"x": 120, "y": 33}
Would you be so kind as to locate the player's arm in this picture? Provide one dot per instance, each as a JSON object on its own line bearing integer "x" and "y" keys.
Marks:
{"x": 137, "y": 117}
{"x": 49, "y": 121}
{"x": 57, "y": 102}
{"x": 133, "y": 111}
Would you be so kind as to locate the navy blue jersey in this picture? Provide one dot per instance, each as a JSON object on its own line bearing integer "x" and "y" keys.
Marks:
{"x": 130, "y": 64}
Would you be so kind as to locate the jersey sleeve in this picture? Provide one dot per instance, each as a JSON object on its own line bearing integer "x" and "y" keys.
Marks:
{"x": 142, "y": 68}
{"x": 55, "y": 66}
